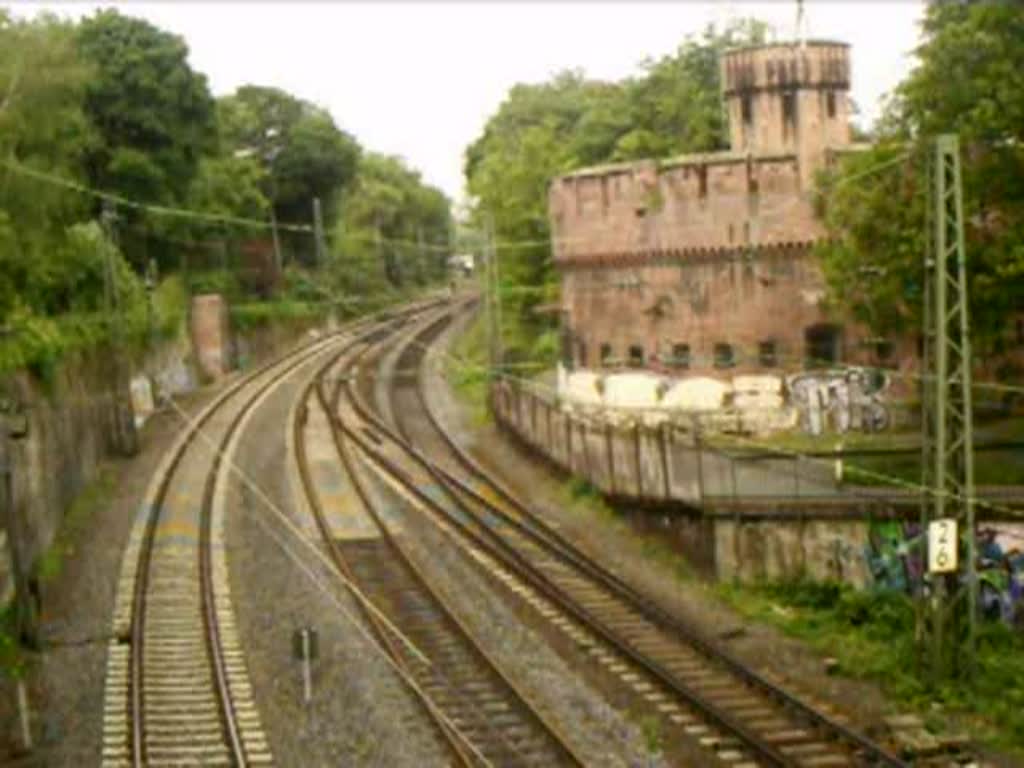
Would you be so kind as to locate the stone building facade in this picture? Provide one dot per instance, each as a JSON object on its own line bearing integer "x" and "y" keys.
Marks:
{"x": 703, "y": 264}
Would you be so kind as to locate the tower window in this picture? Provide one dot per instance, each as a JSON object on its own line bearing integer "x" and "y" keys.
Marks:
{"x": 702, "y": 181}
{"x": 830, "y": 103}
{"x": 636, "y": 356}
{"x": 681, "y": 355}
{"x": 789, "y": 106}
{"x": 724, "y": 356}
{"x": 767, "y": 354}
{"x": 747, "y": 109}
{"x": 606, "y": 353}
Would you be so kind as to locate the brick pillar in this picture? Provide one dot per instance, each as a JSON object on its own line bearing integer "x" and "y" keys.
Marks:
{"x": 210, "y": 339}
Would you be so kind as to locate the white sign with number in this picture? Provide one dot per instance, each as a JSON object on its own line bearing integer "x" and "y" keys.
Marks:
{"x": 942, "y": 546}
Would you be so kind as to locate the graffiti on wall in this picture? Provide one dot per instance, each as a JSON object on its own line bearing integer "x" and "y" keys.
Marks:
{"x": 848, "y": 399}
{"x": 895, "y": 557}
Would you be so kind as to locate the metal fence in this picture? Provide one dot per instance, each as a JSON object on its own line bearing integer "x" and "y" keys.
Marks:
{"x": 679, "y": 461}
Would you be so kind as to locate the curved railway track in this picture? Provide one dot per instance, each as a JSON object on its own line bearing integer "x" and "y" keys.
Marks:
{"x": 177, "y": 690}
{"x": 477, "y": 711}
{"x": 738, "y": 714}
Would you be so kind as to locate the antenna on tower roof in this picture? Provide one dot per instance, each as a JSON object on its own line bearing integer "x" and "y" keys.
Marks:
{"x": 801, "y": 25}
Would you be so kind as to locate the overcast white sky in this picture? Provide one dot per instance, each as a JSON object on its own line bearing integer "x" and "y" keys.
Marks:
{"x": 420, "y": 79}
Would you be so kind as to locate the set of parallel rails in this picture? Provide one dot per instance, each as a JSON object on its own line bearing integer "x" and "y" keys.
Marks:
{"x": 744, "y": 717}
{"x": 480, "y": 712}
{"x": 177, "y": 690}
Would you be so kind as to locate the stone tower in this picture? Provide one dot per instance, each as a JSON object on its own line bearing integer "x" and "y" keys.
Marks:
{"x": 788, "y": 99}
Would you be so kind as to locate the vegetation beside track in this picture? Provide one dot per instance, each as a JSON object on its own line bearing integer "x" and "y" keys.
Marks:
{"x": 465, "y": 367}
{"x": 871, "y": 635}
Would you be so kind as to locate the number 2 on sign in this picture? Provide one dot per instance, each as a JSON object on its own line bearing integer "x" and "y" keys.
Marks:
{"x": 942, "y": 546}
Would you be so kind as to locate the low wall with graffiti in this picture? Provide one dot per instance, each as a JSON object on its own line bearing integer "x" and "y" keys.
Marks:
{"x": 820, "y": 401}
{"x": 895, "y": 556}
{"x": 748, "y": 516}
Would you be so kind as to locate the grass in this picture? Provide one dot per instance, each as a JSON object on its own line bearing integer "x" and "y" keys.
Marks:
{"x": 871, "y": 634}
{"x": 264, "y": 313}
{"x": 996, "y": 466}
{"x": 78, "y": 517}
{"x": 466, "y": 369}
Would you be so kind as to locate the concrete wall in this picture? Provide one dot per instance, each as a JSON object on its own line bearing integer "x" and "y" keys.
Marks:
{"x": 70, "y": 429}
{"x": 71, "y": 419}
{"x": 784, "y": 524}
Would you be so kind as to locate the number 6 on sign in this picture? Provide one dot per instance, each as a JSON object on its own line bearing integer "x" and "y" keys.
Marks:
{"x": 942, "y": 546}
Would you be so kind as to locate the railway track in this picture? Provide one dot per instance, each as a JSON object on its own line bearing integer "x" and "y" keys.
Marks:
{"x": 477, "y": 711}
{"x": 177, "y": 689}
{"x": 738, "y": 715}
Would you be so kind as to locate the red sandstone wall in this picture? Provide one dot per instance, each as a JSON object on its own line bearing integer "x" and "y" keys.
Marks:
{"x": 736, "y": 300}
{"x": 695, "y": 202}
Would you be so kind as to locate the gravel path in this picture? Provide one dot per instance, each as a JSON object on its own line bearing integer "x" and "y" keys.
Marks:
{"x": 361, "y": 714}
{"x": 596, "y": 730}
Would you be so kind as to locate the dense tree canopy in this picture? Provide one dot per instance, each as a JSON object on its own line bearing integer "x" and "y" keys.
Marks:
{"x": 302, "y": 153}
{"x": 44, "y": 260}
{"x": 111, "y": 105}
{"x": 391, "y": 226}
{"x": 967, "y": 82}
{"x": 154, "y": 114}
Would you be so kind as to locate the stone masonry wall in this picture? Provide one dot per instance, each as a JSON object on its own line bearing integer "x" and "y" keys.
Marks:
{"x": 691, "y": 205}
{"x": 744, "y": 302}
{"x": 71, "y": 430}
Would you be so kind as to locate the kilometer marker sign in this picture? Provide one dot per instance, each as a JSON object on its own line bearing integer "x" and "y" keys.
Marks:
{"x": 942, "y": 545}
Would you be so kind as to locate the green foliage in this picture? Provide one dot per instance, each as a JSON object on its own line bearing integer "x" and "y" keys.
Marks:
{"x": 965, "y": 82}
{"x": 154, "y": 113}
{"x": 299, "y": 150}
{"x": 390, "y": 200}
{"x": 871, "y": 633}
{"x": 13, "y": 659}
{"x": 466, "y": 369}
{"x": 112, "y": 104}
{"x": 262, "y": 314}
{"x": 155, "y": 119}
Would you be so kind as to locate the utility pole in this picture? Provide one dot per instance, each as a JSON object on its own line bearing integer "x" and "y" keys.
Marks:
{"x": 496, "y": 278}
{"x": 124, "y": 429}
{"x": 318, "y": 233}
{"x": 490, "y": 295}
{"x": 278, "y": 259}
{"x": 947, "y": 611}
{"x": 379, "y": 249}
{"x": 421, "y": 260}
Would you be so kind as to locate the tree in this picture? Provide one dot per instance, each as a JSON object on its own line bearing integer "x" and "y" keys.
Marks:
{"x": 154, "y": 116}
{"x": 42, "y": 127}
{"x": 675, "y": 107}
{"x": 965, "y": 81}
{"x": 303, "y": 153}
{"x": 390, "y": 204}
